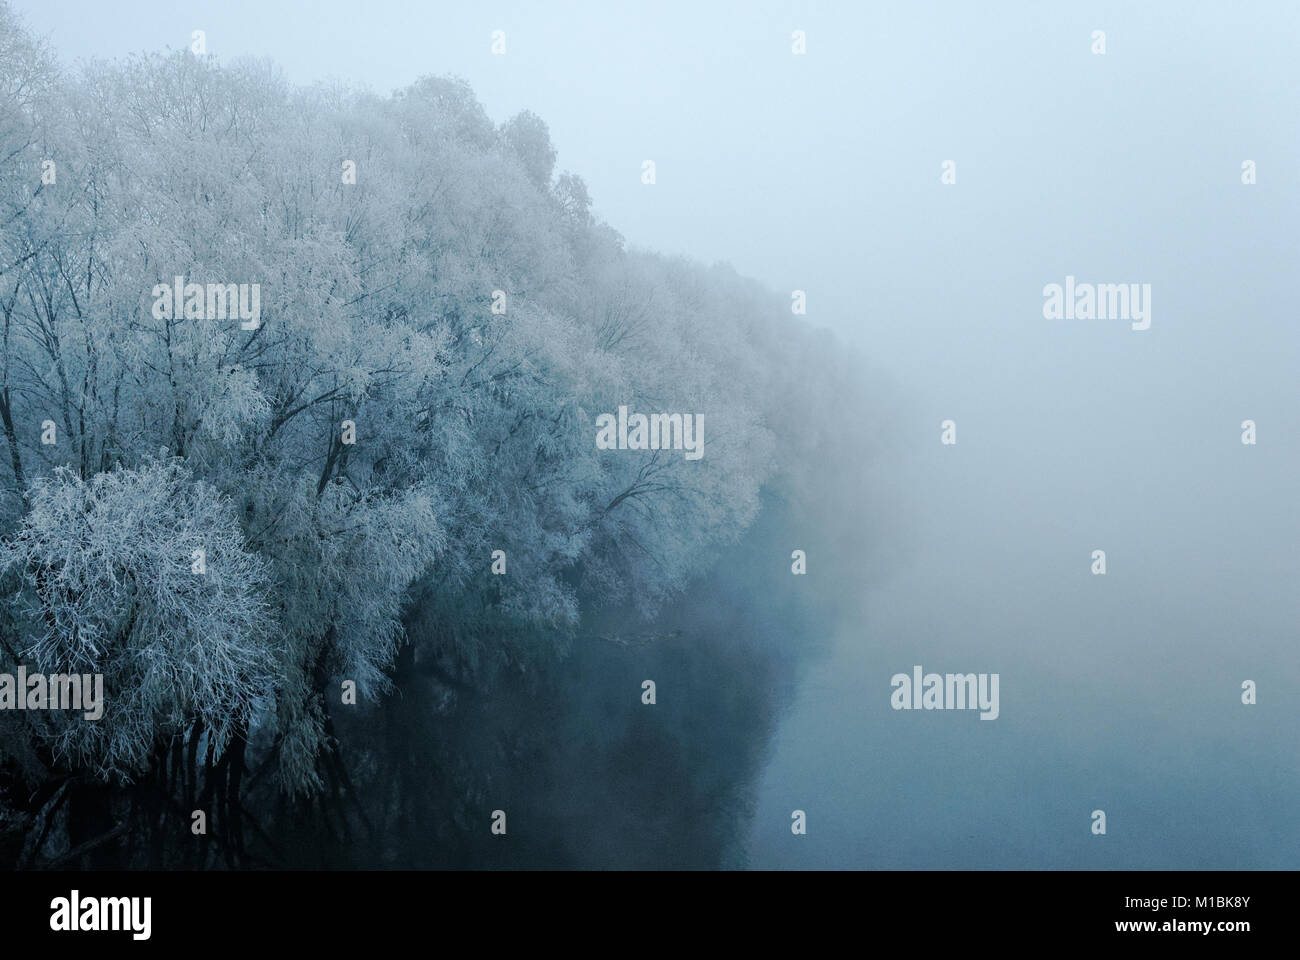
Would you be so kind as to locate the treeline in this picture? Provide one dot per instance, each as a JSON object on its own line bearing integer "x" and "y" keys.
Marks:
{"x": 230, "y": 523}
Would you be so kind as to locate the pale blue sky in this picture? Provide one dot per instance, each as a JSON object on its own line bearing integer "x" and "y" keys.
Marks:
{"x": 821, "y": 172}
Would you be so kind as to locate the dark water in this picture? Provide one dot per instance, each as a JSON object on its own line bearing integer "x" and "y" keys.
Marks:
{"x": 587, "y": 774}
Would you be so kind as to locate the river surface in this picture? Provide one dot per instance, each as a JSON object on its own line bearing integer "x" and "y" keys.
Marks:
{"x": 1119, "y": 693}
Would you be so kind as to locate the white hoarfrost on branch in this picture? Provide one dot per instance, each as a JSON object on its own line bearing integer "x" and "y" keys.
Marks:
{"x": 108, "y": 582}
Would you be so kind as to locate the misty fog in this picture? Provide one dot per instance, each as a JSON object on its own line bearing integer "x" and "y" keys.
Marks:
{"x": 823, "y": 173}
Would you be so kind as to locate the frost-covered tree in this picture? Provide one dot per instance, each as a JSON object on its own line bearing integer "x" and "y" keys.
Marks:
{"x": 434, "y": 344}
{"x": 110, "y": 582}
